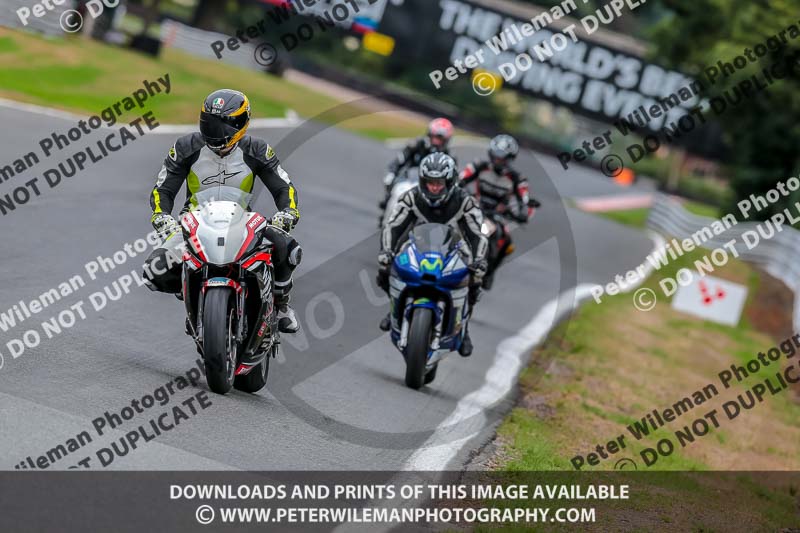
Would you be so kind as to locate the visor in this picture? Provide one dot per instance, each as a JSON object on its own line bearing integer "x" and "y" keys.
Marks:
{"x": 433, "y": 188}
{"x": 218, "y": 131}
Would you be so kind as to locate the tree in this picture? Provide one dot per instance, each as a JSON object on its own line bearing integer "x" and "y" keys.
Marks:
{"x": 763, "y": 131}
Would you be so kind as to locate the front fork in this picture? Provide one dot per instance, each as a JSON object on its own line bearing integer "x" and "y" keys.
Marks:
{"x": 437, "y": 325}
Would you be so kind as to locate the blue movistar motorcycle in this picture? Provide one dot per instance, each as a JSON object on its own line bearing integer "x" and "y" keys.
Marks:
{"x": 428, "y": 290}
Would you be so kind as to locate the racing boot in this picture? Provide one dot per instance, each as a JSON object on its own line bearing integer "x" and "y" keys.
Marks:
{"x": 386, "y": 323}
{"x": 465, "y": 350}
{"x": 287, "y": 321}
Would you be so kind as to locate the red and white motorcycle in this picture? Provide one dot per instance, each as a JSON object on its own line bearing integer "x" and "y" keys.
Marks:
{"x": 228, "y": 289}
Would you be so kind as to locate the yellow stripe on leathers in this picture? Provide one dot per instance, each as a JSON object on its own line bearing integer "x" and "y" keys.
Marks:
{"x": 156, "y": 201}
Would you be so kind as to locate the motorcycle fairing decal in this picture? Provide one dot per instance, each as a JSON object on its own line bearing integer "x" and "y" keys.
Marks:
{"x": 244, "y": 369}
{"x": 187, "y": 257}
{"x": 190, "y": 224}
{"x": 454, "y": 265}
{"x": 222, "y": 282}
{"x": 431, "y": 265}
{"x": 253, "y": 225}
{"x": 261, "y": 256}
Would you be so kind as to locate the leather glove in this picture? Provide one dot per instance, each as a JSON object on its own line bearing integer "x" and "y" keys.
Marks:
{"x": 285, "y": 220}
{"x": 384, "y": 263}
{"x": 165, "y": 225}
{"x": 384, "y": 260}
{"x": 478, "y": 270}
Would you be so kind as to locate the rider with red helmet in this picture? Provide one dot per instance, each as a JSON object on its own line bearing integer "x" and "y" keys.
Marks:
{"x": 440, "y": 131}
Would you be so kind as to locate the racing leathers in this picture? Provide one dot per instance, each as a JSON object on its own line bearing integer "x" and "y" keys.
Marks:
{"x": 496, "y": 186}
{"x": 410, "y": 157}
{"x": 460, "y": 212}
{"x": 190, "y": 161}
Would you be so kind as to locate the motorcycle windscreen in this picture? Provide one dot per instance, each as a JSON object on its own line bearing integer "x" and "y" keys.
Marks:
{"x": 223, "y": 193}
{"x": 436, "y": 238}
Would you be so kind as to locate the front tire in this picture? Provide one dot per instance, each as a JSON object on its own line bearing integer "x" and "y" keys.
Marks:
{"x": 419, "y": 339}
{"x": 257, "y": 378}
{"x": 431, "y": 375}
{"x": 219, "y": 344}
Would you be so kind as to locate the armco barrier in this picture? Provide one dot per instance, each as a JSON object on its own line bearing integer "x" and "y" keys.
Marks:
{"x": 48, "y": 24}
{"x": 779, "y": 256}
{"x": 198, "y": 43}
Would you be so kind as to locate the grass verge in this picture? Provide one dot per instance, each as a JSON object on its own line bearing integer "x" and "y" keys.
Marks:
{"x": 84, "y": 76}
{"x": 616, "y": 364}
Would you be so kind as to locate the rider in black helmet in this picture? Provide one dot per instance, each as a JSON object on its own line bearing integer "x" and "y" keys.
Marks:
{"x": 437, "y": 199}
{"x": 221, "y": 154}
{"x": 498, "y": 181}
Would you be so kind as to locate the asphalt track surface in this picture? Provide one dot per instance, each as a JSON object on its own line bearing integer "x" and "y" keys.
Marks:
{"x": 334, "y": 402}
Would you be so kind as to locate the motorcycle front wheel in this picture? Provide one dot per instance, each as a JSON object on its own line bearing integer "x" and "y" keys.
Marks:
{"x": 219, "y": 344}
{"x": 256, "y": 379}
{"x": 419, "y": 338}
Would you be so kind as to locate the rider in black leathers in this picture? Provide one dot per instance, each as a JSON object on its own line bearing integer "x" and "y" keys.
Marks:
{"x": 221, "y": 154}
{"x": 497, "y": 184}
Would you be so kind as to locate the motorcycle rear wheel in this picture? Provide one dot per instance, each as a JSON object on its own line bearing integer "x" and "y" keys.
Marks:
{"x": 219, "y": 344}
{"x": 419, "y": 338}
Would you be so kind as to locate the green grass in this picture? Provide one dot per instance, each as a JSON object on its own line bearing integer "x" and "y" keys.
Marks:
{"x": 636, "y": 218}
{"x": 593, "y": 401}
{"x": 703, "y": 210}
{"x": 85, "y": 76}
{"x": 7, "y": 44}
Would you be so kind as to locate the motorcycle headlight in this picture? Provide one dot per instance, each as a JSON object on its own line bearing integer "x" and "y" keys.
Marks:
{"x": 412, "y": 258}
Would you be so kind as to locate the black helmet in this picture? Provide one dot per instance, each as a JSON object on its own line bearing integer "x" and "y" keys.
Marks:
{"x": 502, "y": 150}
{"x": 437, "y": 178}
{"x": 224, "y": 119}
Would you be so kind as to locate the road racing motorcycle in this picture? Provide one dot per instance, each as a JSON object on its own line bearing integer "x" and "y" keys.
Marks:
{"x": 228, "y": 289}
{"x": 406, "y": 180}
{"x": 428, "y": 287}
